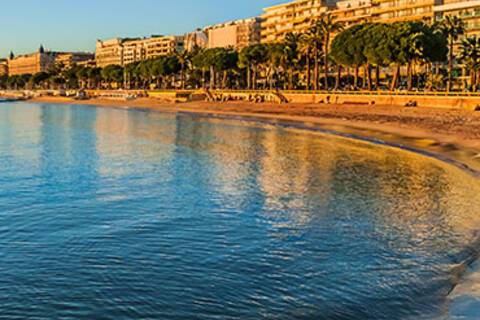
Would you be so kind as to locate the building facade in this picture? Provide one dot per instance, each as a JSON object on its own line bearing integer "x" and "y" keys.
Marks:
{"x": 296, "y": 17}
{"x": 3, "y": 67}
{"x": 109, "y": 52}
{"x": 468, "y": 11}
{"x": 68, "y": 59}
{"x": 158, "y": 46}
{"x": 403, "y": 10}
{"x": 237, "y": 34}
{"x": 352, "y": 12}
{"x": 31, "y": 63}
{"x": 125, "y": 51}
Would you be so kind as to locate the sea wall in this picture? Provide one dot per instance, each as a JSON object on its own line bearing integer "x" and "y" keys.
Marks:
{"x": 436, "y": 101}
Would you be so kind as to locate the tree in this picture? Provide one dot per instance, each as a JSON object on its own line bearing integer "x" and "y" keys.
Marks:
{"x": 375, "y": 51}
{"x": 348, "y": 49}
{"x": 158, "y": 71}
{"x": 305, "y": 48}
{"x": 145, "y": 71}
{"x": 220, "y": 60}
{"x": 112, "y": 74}
{"x": 131, "y": 75}
{"x": 226, "y": 59}
{"x": 82, "y": 76}
{"x": 183, "y": 58}
{"x": 452, "y": 27}
{"x": 405, "y": 44}
{"x": 199, "y": 62}
{"x": 39, "y": 78}
{"x": 250, "y": 58}
{"x": 275, "y": 62}
{"x": 94, "y": 77}
{"x": 325, "y": 27}
{"x": 316, "y": 33}
{"x": 470, "y": 56}
{"x": 290, "y": 58}
{"x": 172, "y": 66}
{"x": 3, "y": 81}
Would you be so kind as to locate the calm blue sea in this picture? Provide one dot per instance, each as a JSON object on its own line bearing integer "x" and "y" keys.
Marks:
{"x": 115, "y": 214}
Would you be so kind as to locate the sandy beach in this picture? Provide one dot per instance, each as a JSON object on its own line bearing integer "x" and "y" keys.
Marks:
{"x": 453, "y": 133}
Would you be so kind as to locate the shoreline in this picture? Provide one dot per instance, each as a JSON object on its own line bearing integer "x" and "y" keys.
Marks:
{"x": 451, "y": 134}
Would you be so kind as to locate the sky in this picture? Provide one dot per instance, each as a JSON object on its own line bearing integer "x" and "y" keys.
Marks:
{"x": 74, "y": 25}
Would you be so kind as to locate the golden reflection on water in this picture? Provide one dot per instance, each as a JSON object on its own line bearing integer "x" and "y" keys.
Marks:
{"x": 296, "y": 177}
{"x": 290, "y": 161}
{"x": 285, "y": 162}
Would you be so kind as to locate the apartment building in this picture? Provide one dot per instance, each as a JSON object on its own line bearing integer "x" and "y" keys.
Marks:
{"x": 125, "y": 51}
{"x": 132, "y": 50}
{"x": 109, "y": 52}
{"x": 351, "y": 12}
{"x": 237, "y": 34}
{"x": 157, "y": 46}
{"x": 468, "y": 11}
{"x": 296, "y": 16}
{"x": 403, "y": 10}
{"x": 68, "y": 59}
{"x": 3, "y": 67}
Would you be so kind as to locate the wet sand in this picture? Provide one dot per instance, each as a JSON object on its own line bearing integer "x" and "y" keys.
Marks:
{"x": 453, "y": 133}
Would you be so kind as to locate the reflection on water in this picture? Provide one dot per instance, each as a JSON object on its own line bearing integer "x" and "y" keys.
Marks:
{"x": 116, "y": 214}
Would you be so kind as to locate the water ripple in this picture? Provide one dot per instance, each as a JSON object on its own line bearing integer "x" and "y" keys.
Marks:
{"x": 114, "y": 214}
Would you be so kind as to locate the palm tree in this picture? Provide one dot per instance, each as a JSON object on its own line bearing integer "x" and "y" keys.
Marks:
{"x": 414, "y": 53}
{"x": 199, "y": 62}
{"x": 452, "y": 27}
{"x": 305, "y": 48}
{"x": 291, "y": 55}
{"x": 316, "y": 35}
{"x": 326, "y": 26}
{"x": 250, "y": 58}
{"x": 470, "y": 56}
{"x": 276, "y": 55}
{"x": 184, "y": 59}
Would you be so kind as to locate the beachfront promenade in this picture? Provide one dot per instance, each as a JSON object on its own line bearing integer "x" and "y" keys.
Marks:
{"x": 456, "y": 100}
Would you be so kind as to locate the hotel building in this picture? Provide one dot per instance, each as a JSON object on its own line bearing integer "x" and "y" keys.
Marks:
{"x": 351, "y": 12}
{"x": 3, "y": 67}
{"x": 42, "y": 61}
{"x": 296, "y": 16}
{"x": 109, "y": 52}
{"x": 468, "y": 11}
{"x": 157, "y": 46}
{"x": 403, "y": 10}
{"x": 125, "y": 51}
{"x": 31, "y": 63}
{"x": 237, "y": 34}
{"x": 68, "y": 59}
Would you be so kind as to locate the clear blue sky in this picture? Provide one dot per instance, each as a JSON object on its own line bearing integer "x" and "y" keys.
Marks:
{"x": 74, "y": 25}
